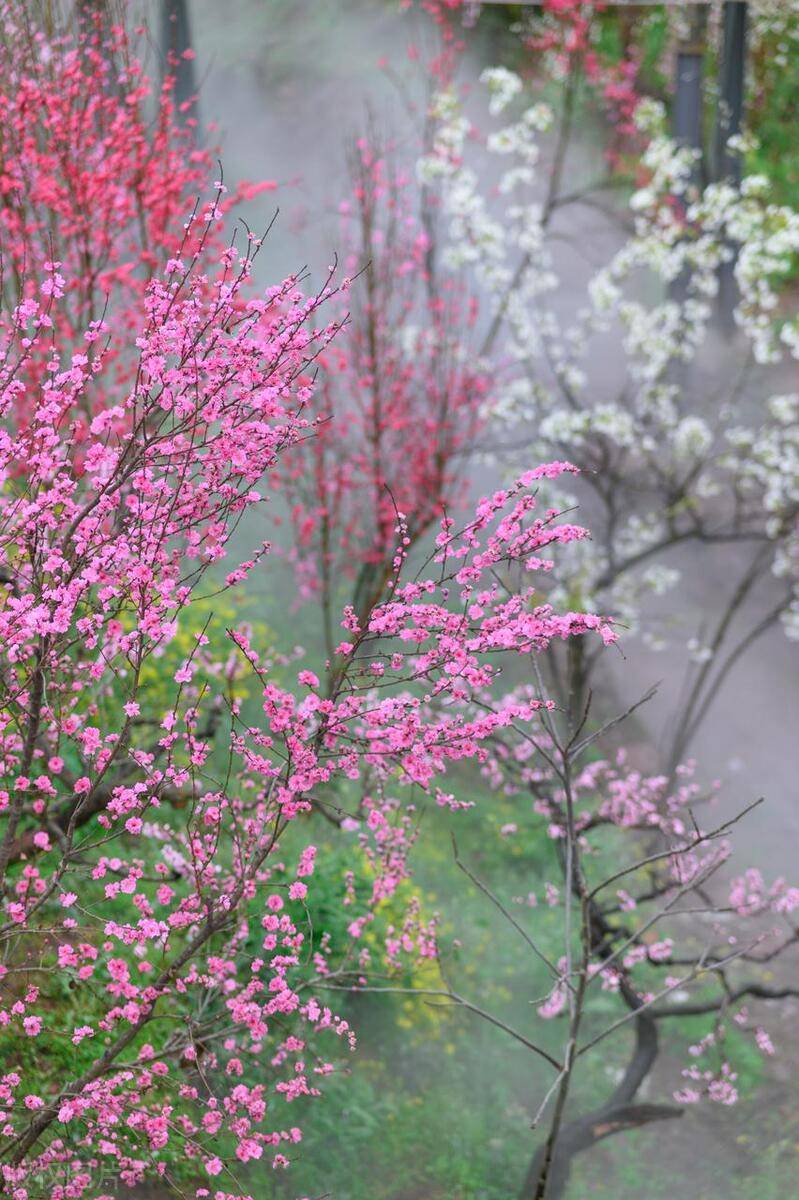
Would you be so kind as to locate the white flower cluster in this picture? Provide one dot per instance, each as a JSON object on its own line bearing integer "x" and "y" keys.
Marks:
{"x": 667, "y": 459}
{"x": 775, "y": 22}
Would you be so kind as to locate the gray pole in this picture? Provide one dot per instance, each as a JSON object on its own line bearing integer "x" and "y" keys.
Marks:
{"x": 731, "y": 90}
{"x": 727, "y": 163}
{"x": 688, "y": 100}
{"x": 688, "y": 109}
{"x": 176, "y": 37}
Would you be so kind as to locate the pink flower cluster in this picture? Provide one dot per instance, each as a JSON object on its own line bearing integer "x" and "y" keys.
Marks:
{"x": 130, "y": 868}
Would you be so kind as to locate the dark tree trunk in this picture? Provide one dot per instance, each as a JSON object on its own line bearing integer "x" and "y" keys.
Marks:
{"x": 548, "y": 1174}
{"x": 175, "y": 39}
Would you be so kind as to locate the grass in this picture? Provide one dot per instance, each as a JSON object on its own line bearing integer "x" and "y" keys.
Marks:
{"x": 435, "y": 1103}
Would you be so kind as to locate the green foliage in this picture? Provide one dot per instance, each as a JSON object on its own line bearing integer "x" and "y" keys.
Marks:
{"x": 428, "y": 1138}
{"x": 773, "y": 122}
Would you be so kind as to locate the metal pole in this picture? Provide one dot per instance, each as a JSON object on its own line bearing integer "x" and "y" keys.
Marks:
{"x": 687, "y": 115}
{"x": 726, "y": 162}
{"x": 688, "y": 100}
{"x": 175, "y": 38}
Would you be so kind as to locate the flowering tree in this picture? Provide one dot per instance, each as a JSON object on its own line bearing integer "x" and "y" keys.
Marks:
{"x": 139, "y": 865}
{"x": 89, "y": 177}
{"x": 100, "y": 166}
{"x": 107, "y": 533}
{"x": 649, "y": 919}
{"x": 398, "y": 403}
{"x": 664, "y": 463}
